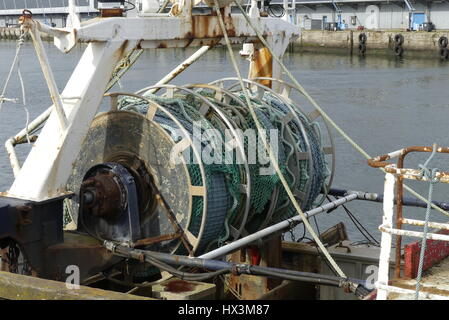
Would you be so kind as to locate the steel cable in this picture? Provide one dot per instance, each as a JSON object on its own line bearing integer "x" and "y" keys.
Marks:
{"x": 267, "y": 147}
{"x": 322, "y": 112}
{"x": 430, "y": 174}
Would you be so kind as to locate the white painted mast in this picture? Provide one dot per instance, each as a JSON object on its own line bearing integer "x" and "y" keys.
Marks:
{"x": 73, "y": 21}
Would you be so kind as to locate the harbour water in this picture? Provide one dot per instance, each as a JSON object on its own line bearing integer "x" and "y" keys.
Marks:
{"x": 383, "y": 104}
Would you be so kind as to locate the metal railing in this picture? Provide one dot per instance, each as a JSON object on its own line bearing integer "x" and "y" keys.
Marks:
{"x": 395, "y": 173}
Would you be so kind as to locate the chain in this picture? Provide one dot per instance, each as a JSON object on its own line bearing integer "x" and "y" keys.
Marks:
{"x": 12, "y": 257}
{"x": 15, "y": 260}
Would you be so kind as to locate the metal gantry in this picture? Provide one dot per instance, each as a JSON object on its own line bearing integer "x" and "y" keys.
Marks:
{"x": 110, "y": 40}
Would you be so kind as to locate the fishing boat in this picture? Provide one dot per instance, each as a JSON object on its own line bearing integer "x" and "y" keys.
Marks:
{"x": 187, "y": 191}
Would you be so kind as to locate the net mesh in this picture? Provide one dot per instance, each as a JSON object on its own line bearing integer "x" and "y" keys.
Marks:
{"x": 224, "y": 199}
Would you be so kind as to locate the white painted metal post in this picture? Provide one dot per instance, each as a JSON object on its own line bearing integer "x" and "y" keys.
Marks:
{"x": 254, "y": 10}
{"x": 73, "y": 21}
{"x": 11, "y": 142}
{"x": 188, "y": 8}
{"x": 385, "y": 244}
{"x": 286, "y": 15}
{"x": 294, "y": 16}
{"x": 49, "y": 164}
{"x": 180, "y": 68}
{"x": 12, "y": 157}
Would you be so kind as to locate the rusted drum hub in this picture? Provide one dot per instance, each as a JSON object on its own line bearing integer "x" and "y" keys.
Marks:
{"x": 142, "y": 179}
{"x": 103, "y": 196}
{"x": 108, "y": 203}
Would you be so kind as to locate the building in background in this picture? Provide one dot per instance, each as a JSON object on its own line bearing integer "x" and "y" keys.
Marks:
{"x": 307, "y": 14}
{"x": 51, "y": 12}
{"x": 371, "y": 14}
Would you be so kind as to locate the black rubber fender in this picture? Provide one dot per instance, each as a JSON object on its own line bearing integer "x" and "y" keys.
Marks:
{"x": 399, "y": 39}
{"x": 444, "y": 53}
{"x": 362, "y": 38}
{"x": 362, "y": 49}
{"x": 398, "y": 50}
{"x": 442, "y": 42}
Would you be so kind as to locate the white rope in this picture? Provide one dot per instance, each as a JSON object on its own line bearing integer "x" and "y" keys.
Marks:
{"x": 269, "y": 151}
{"x": 323, "y": 113}
{"x": 122, "y": 67}
{"x": 16, "y": 60}
{"x": 19, "y": 73}
{"x": 8, "y": 78}
{"x": 13, "y": 100}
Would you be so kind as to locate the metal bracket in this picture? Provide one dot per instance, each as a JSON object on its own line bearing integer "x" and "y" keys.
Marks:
{"x": 125, "y": 226}
{"x": 33, "y": 225}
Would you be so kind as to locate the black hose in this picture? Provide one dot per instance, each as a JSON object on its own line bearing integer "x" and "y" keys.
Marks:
{"x": 361, "y": 291}
{"x": 326, "y": 282}
{"x": 276, "y": 10}
{"x": 378, "y": 197}
{"x": 297, "y": 276}
{"x": 155, "y": 258}
{"x": 134, "y": 6}
{"x": 127, "y": 252}
{"x": 131, "y": 253}
{"x": 368, "y": 236}
{"x": 185, "y": 275}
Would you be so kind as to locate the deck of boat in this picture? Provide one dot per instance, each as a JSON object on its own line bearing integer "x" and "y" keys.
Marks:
{"x": 434, "y": 281}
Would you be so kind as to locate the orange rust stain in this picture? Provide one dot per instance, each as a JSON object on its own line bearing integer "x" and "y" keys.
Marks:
{"x": 262, "y": 65}
{"x": 108, "y": 13}
{"x": 121, "y": 50}
{"x": 209, "y": 27}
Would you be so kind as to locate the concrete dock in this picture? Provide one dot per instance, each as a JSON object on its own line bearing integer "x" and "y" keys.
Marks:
{"x": 415, "y": 44}
{"x": 7, "y": 33}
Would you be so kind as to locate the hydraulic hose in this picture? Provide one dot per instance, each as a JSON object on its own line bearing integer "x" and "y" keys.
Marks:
{"x": 164, "y": 260}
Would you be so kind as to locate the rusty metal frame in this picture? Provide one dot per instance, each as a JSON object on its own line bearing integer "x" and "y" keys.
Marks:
{"x": 153, "y": 240}
{"x": 401, "y": 173}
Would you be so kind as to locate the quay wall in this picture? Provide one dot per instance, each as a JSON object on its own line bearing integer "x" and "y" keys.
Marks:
{"x": 415, "y": 44}
{"x": 8, "y": 33}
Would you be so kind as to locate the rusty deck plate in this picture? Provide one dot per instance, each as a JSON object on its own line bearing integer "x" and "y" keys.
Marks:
{"x": 435, "y": 281}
